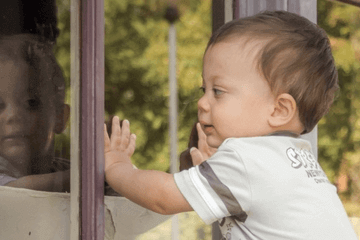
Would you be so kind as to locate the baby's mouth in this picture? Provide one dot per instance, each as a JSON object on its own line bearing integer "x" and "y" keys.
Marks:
{"x": 208, "y": 128}
{"x": 14, "y": 138}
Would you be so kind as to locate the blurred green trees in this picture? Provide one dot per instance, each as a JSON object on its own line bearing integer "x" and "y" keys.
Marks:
{"x": 339, "y": 130}
{"x": 136, "y": 69}
{"x": 136, "y": 72}
{"x": 136, "y": 77}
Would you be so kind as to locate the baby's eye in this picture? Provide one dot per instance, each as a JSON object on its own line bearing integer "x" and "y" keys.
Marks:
{"x": 202, "y": 89}
{"x": 34, "y": 103}
{"x": 217, "y": 91}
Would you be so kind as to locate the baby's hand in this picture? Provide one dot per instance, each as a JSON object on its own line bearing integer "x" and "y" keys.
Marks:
{"x": 198, "y": 149}
{"x": 204, "y": 151}
{"x": 120, "y": 147}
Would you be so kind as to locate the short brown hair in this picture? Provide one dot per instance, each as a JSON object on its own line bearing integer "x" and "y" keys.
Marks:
{"x": 295, "y": 58}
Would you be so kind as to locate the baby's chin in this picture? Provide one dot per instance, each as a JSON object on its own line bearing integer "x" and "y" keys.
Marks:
{"x": 212, "y": 143}
{"x": 19, "y": 155}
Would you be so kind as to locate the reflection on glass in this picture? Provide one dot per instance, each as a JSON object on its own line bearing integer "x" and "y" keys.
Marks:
{"x": 32, "y": 111}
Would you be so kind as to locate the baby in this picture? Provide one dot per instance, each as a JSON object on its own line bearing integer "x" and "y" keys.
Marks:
{"x": 32, "y": 111}
{"x": 267, "y": 79}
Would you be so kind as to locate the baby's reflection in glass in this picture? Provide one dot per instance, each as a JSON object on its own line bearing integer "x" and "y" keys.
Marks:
{"x": 32, "y": 111}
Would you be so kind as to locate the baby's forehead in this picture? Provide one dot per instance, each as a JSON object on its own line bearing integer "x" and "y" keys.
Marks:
{"x": 12, "y": 48}
{"x": 240, "y": 47}
{"x": 19, "y": 76}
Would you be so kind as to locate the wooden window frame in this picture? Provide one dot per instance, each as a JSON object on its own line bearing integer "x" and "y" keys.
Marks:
{"x": 87, "y": 119}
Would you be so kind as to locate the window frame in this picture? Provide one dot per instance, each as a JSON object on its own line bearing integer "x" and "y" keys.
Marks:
{"x": 87, "y": 120}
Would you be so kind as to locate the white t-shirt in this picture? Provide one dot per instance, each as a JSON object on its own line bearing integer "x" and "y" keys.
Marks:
{"x": 269, "y": 187}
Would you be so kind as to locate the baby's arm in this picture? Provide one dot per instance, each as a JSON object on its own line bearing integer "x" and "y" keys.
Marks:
{"x": 153, "y": 190}
{"x": 51, "y": 182}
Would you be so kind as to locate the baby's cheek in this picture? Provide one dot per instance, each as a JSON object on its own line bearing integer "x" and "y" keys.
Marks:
{"x": 42, "y": 129}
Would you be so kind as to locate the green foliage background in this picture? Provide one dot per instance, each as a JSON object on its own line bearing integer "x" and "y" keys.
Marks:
{"x": 339, "y": 130}
{"x": 136, "y": 78}
{"x": 136, "y": 69}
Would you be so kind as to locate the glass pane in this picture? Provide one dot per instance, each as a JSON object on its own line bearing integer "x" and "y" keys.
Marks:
{"x": 137, "y": 89}
{"x": 32, "y": 101}
{"x": 34, "y": 111}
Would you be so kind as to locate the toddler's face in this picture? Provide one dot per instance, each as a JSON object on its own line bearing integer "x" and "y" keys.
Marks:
{"x": 237, "y": 99}
{"x": 27, "y": 115}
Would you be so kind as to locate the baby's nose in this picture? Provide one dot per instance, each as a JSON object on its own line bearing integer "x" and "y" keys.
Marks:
{"x": 12, "y": 112}
{"x": 203, "y": 104}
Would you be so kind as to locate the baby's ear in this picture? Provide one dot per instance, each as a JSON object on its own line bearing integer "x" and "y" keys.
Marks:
{"x": 61, "y": 119}
{"x": 284, "y": 112}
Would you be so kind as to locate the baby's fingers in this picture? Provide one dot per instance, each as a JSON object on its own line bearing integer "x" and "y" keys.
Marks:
{"x": 115, "y": 128}
{"x": 132, "y": 145}
{"x": 125, "y": 134}
{"x": 202, "y": 144}
{"x": 106, "y": 140}
{"x": 196, "y": 156}
{"x": 115, "y": 139}
{"x": 204, "y": 148}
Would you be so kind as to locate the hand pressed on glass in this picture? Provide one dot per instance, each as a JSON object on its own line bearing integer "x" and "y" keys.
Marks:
{"x": 198, "y": 150}
{"x": 204, "y": 151}
{"x": 154, "y": 190}
{"x": 121, "y": 146}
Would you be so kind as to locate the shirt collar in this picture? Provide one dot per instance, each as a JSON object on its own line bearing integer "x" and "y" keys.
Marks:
{"x": 284, "y": 134}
